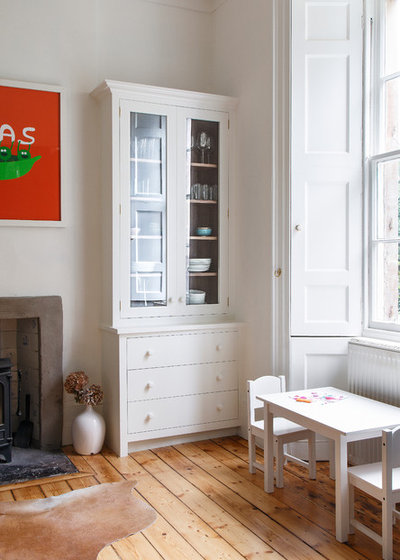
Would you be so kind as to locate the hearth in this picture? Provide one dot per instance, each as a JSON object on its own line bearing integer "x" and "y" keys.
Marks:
{"x": 30, "y": 464}
{"x": 5, "y": 410}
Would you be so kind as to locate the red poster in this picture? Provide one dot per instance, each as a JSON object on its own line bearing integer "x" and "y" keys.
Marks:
{"x": 30, "y": 182}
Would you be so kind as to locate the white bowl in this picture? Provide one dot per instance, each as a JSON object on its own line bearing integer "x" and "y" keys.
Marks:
{"x": 199, "y": 265}
{"x": 197, "y": 296}
{"x": 199, "y": 261}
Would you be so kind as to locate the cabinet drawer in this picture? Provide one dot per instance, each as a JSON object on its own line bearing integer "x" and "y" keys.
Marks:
{"x": 177, "y": 412}
{"x": 144, "y": 384}
{"x": 180, "y": 349}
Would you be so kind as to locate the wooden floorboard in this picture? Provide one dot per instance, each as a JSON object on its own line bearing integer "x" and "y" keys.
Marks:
{"x": 209, "y": 507}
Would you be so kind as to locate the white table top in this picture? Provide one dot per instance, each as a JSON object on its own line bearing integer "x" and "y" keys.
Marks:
{"x": 346, "y": 413}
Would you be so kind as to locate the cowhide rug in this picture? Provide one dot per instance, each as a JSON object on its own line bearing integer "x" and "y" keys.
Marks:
{"x": 72, "y": 526}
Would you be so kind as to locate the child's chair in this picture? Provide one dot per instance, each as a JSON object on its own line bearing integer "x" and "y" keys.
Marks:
{"x": 285, "y": 431}
{"x": 382, "y": 481}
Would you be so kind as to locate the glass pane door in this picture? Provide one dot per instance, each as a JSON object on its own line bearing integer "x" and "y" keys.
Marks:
{"x": 202, "y": 193}
{"x": 148, "y": 210}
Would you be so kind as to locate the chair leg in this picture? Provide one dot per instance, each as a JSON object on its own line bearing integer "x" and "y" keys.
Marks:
{"x": 279, "y": 456}
{"x": 351, "y": 509}
{"x": 312, "y": 468}
{"x": 387, "y": 529}
{"x": 252, "y": 452}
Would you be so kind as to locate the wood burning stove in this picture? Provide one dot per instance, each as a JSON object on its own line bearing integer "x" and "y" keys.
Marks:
{"x": 5, "y": 410}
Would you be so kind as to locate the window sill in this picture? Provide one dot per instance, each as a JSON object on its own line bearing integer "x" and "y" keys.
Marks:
{"x": 379, "y": 338}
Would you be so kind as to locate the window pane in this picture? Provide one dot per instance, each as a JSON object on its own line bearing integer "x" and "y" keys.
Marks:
{"x": 148, "y": 209}
{"x": 386, "y": 283}
{"x": 388, "y": 199}
{"x": 147, "y": 286}
{"x": 146, "y": 178}
{"x": 392, "y": 115}
{"x": 392, "y": 47}
{"x": 202, "y": 278}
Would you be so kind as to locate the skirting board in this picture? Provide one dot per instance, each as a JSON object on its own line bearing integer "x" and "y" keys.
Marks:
{"x": 175, "y": 440}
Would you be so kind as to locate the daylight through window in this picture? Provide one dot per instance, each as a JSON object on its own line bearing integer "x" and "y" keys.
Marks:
{"x": 383, "y": 151}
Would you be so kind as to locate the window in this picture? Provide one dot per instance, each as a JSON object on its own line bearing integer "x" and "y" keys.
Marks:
{"x": 383, "y": 162}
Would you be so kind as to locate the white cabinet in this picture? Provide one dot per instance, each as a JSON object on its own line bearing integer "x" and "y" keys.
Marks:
{"x": 170, "y": 355}
{"x": 171, "y": 383}
{"x": 182, "y": 382}
{"x": 166, "y": 175}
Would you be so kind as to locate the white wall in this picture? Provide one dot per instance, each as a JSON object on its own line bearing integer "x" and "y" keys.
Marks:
{"x": 76, "y": 45}
{"x": 243, "y": 68}
{"x": 244, "y": 56}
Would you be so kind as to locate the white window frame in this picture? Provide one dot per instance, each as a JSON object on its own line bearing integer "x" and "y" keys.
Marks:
{"x": 374, "y": 107}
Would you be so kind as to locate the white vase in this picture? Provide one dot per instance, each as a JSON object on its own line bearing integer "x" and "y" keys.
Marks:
{"x": 88, "y": 431}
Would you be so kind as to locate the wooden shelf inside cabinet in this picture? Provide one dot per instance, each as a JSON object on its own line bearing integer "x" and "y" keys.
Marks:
{"x": 146, "y": 160}
{"x": 202, "y": 274}
{"x": 205, "y": 165}
{"x": 194, "y": 201}
{"x": 146, "y": 237}
{"x": 204, "y": 237}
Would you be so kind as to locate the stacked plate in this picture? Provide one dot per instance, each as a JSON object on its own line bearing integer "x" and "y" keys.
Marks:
{"x": 199, "y": 265}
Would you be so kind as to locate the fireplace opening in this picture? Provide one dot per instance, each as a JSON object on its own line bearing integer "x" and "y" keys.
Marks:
{"x": 37, "y": 341}
{"x": 31, "y": 336}
{"x": 5, "y": 410}
{"x": 20, "y": 343}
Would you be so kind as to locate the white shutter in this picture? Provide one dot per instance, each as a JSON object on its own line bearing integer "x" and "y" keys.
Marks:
{"x": 326, "y": 171}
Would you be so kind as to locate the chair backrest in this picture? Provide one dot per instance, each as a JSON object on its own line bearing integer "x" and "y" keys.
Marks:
{"x": 390, "y": 456}
{"x": 262, "y": 386}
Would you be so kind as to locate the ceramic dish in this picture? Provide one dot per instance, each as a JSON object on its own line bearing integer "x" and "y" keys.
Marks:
{"x": 203, "y": 231}
{"x": 199, "y": 265}
{"x": 197, "y": 296}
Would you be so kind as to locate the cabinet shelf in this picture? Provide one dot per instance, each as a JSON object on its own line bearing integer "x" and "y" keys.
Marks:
{"x": 146, "y": 237}
{"x": 203, "y": 237}
{"x": 193, "y": 201}
{"x": 202, "y": 274}
{"x": 205, "y": 165}
{"x": 146, "y": 160}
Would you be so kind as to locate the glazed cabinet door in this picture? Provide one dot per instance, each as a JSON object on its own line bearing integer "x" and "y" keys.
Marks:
{"x": 173, "y": 210}
{"x": 203, "y": 211}
{"x": 147, "y": 212}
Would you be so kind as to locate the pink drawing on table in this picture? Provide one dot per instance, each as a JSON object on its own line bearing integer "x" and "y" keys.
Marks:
{"x": 321, "y": 398}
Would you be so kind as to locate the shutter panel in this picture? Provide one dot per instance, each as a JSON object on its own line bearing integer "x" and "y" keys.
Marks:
{"x": 326, "y": 234}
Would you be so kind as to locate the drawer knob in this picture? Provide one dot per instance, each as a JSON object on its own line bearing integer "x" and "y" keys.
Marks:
{"x": 219, "y": 407}
{"x": 219, "y": 347}
{"x": 149, "y": 385}
{"x": 148, "y": 354}
{"x": 219, "y": 377}
{"x": 149, "y": 416}
{"x": 180, "y": 300}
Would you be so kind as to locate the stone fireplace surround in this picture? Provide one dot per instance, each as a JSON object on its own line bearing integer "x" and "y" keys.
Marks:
{"x": 48, "y": 311}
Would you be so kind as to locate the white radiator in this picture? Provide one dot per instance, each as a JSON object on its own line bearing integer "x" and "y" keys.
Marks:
{"x": 374, "y": 372}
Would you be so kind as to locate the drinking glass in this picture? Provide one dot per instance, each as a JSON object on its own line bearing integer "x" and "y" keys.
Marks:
{"x": 202, "y": 144}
